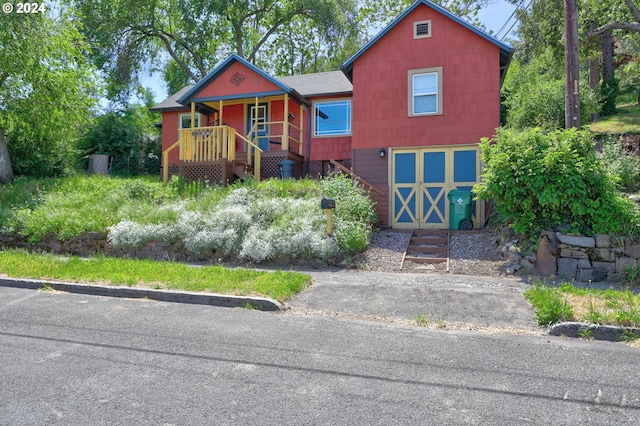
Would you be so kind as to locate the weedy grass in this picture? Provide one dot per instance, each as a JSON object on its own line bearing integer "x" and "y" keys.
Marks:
{"x": 278, "y": 285}
{"x": 627, "y": 120}
{"x": 251, "y": 219}
{"x": 570, "y": 303}
{"x": 549, "y": 304}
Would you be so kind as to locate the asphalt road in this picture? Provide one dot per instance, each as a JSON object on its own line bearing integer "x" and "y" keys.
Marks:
{"x": 77, "y": 360}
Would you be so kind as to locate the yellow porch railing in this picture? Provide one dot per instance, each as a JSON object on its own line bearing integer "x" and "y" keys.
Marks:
{"x": 207, "y": 143}
{"x": 210, "y": 144}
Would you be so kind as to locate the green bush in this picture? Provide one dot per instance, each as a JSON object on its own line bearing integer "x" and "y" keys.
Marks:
{"x": 533, "y": 95}
{"x": 355, "y": 212}
{"x": 623, "y": 166}
{"x": 547, "y": 180}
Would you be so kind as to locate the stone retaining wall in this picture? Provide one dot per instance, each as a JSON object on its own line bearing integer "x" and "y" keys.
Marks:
{"x": 598, "y": 258}
{"x": 98, "y": 243}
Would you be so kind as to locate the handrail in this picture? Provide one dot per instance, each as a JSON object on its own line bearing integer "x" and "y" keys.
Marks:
{"x": 257, "y": 153}
{"x": 165, "y": 162}
{"x": 358, "y": 178}
{"x": 282, "y": 136}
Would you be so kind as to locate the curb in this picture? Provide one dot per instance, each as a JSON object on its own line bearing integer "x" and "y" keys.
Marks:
{"x": 593, "y": 331}
{"x": 212, "y": 299}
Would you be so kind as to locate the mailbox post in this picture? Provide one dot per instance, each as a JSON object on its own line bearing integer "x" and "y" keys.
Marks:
{"x": 328, "y": 204}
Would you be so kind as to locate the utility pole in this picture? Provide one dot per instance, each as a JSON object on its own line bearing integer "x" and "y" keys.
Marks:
{"x": 571, "y": 65}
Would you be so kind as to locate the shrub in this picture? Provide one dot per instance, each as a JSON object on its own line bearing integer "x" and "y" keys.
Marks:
{"x": 355, "y": 215}
{"x": 533, "y": 95}
{"x": 540, "y": 181}
{"x": 623, "y": 166}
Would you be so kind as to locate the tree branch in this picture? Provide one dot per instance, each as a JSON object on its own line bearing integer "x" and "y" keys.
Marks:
{"x": 629, "y": 26}
{"x": 165, "y": 39}
{"x": 634, "y": 9}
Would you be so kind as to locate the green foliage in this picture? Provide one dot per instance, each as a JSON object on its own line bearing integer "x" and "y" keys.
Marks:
{"x": 80, "y": 204}
{"x": 622, "y": 165}
{"x": 129, "y": 137}
{"x": 149, "y": 273}
{"x": 256, "y": 220}
{"x": 609, "y": 91}
{"x": 545, "y": 180}
{"x": 46, "y": 91}
{"x": 533, "y": 95}
{"x": 549, "y": 304}
{"x": 355, "y": 212}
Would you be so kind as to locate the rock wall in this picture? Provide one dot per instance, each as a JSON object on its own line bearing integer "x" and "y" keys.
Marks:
{"x": 598, "y": 258}
{"x": 92, "y": 243}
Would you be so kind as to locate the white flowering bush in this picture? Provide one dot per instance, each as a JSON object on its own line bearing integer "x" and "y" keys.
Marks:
{"x": 132, "y": 234}
{"x": 259, "y": 226}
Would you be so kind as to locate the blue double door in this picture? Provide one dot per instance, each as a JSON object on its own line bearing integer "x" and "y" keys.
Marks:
{"x": 422, "y": 178}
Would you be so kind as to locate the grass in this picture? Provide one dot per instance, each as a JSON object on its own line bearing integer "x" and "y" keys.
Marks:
{"x": 154, "y": 274}
{"x": 627, "y": 120}
{"x": 570, "y": 303}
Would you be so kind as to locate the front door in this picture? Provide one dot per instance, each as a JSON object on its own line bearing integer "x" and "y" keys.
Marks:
{"x": 421, "y": 180}
{"x": 258, "y": 113}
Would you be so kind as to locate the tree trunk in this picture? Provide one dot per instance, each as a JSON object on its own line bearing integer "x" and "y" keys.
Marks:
{"x": 6, "y": 171}
{"x": 607, "y": 56}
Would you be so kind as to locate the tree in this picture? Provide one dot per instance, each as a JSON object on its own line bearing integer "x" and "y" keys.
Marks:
{"x": 186, "y": 38}
{"x": 46, "y": 91}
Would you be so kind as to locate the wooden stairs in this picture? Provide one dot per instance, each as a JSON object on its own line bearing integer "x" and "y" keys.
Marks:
{"x": 428, "y": 246}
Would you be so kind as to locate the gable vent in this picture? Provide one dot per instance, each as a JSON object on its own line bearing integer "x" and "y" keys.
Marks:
{"x": 422, "y": 29}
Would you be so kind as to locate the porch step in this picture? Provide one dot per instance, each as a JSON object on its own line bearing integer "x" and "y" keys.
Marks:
{"x": 428, "y": 246}
{"x": 243, "y": 171}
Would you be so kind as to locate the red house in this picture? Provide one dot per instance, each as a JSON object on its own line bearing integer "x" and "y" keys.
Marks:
{"x": 405, "y": 114}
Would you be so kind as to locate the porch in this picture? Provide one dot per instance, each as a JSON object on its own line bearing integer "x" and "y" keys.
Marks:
{"x": 221, "y": 153}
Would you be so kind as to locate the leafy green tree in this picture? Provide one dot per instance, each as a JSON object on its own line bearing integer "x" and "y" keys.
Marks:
{"x": 129, "y": 136}
{"x": 46, "y": 92}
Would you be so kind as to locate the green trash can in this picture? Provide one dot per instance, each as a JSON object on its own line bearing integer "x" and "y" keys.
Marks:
{"x": 460, "y": 210}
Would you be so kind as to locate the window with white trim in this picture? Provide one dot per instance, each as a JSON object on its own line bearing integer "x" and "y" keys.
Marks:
{"x": 332, "y": 118}
{"x": 422, "y": 29}
{"x": 425, "y": 91}
{"x": 184, "y": 121}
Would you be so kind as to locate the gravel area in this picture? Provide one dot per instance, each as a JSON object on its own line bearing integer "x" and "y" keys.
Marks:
{"x": 472, "y": 253}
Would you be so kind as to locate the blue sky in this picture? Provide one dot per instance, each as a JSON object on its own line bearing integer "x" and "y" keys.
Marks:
{"x": 493, "y": 17}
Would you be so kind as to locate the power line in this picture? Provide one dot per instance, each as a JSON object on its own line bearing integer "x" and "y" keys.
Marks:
{"x": 509, "y": 19}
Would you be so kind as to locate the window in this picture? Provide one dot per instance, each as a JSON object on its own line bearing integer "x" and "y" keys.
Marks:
{"x": 332, "y": 118}
{"x": 422, "y": 29}
{"x": 184, "y": 121}
{"x": 425, "y": 91}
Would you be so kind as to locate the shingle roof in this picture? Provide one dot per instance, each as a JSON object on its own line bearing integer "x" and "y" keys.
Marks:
{"x": 171, "y": 102}
{"x": 322, "y": 83}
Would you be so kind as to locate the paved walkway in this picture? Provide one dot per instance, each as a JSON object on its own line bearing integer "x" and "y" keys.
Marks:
{"x": 436, "y": 297}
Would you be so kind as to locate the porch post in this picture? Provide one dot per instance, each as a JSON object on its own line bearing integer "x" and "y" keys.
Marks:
{"x": 220, "y": 114}
{"x": 285, "y": 124}
{"x": 193, "y": 114}
{"x": 255, "y": 122}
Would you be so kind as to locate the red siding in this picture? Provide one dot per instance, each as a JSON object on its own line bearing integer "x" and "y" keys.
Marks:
{"x": 170, "y": 134}
{"x": 222, "y": 85}
{"x": 471, "y": 86}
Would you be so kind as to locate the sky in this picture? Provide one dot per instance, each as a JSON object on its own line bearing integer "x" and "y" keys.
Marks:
{"x": 494, "y": 17}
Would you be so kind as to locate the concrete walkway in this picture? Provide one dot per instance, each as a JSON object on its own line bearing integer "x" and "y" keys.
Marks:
{"x": 486, "y": 301}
